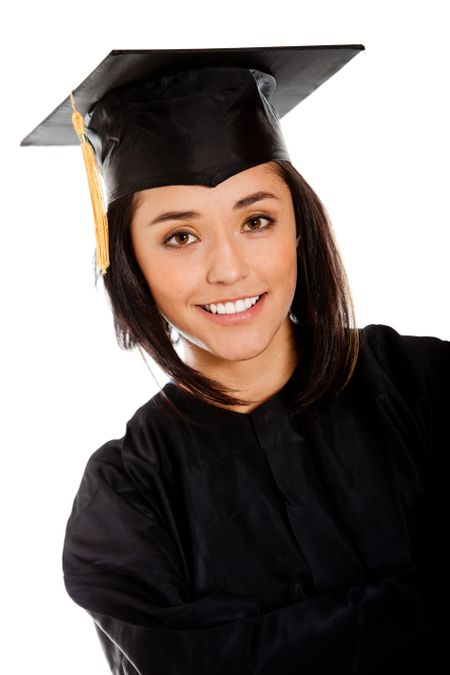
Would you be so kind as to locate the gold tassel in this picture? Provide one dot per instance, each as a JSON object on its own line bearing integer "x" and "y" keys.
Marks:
{"x": 95, "y": 189}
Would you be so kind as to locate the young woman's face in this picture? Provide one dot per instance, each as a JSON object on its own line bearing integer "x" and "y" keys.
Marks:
{"x": 220, "y": 246}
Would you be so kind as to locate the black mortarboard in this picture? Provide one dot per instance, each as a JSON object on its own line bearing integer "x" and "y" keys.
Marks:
{"x": 184, "y": 116}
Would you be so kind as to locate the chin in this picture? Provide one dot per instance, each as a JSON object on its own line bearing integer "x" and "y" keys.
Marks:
{"x": 231, "y": 349}
{"x": 238, "y": 352}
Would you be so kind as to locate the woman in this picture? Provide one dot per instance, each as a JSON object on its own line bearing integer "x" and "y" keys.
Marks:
{"x": 278, "y": 507}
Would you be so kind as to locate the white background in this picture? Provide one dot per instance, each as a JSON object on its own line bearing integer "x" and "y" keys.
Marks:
{"x": 373, "y": 142}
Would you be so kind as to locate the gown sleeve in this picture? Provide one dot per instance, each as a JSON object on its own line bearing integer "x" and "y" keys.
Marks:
{"x": 123, "y": 564}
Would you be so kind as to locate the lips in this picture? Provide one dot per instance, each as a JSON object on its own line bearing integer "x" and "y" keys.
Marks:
{"x": 232, "y": 307}
{"x": 233, "y": 318}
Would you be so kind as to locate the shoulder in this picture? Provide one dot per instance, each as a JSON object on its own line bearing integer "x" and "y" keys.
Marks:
{"x": 387, "y": 343}
{"x": 423, "y": 356}
{"x": 385, "y": 339}
{"x": 123, "y": 487}
{"x": 146, "y": 435}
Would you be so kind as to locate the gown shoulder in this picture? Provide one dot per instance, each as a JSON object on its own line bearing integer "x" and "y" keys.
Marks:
{"x": 429, "y": 356}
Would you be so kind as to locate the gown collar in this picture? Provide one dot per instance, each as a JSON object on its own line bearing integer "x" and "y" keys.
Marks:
{"x": 279, "y": 402}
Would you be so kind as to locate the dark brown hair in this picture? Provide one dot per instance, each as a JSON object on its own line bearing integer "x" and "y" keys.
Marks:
{"x": 322, "y": 304}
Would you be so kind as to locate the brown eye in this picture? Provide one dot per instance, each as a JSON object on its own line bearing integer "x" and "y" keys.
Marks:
{"x": 182, "y": 240}
{"x": 181, "y": 237}
{"x": 257, "y": 219}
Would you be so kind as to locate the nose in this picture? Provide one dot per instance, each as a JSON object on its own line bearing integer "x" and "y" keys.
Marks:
{"x": 227, "y": 261}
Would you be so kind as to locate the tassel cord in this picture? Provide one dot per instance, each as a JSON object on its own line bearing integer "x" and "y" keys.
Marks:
{"x": 95, "y": 190}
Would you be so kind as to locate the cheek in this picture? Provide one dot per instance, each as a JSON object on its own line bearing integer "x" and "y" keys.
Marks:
{"x": 283, "y": 260}
{"x": 169, "y": 284}
{"x": 164, "y": 275}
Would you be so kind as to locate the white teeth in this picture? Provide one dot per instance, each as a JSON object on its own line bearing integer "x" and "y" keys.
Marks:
{"x": 232, "y": 307}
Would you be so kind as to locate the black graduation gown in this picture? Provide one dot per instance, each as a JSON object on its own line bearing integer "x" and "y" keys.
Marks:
{"x": 257, "y": 544}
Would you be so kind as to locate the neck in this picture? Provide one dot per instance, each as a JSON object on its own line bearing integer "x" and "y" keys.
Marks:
{"x": 255, "y": 379}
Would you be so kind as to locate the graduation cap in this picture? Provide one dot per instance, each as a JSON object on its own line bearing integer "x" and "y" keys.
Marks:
{"x": 148, "y": 118}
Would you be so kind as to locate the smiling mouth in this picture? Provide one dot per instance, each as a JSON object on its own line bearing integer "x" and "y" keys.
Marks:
{"x": 233, "y": 307}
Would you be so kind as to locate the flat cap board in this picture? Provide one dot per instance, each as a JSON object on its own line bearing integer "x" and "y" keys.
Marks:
{"x": 298, "y": 70}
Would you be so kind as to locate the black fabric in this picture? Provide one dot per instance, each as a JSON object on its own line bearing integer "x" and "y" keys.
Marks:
{"x": 198, "y": 126}
{"x": 270, "y": 544}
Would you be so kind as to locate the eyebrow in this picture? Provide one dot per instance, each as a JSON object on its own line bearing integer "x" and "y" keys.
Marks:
{"x": 240, "y": 204}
